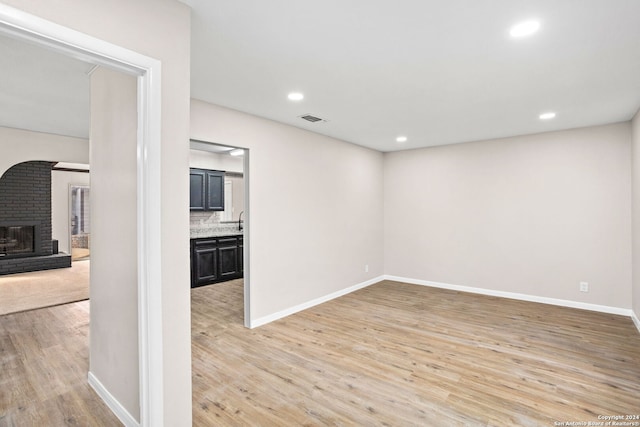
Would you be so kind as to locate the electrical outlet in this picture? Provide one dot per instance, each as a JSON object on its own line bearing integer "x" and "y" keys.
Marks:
{"x": 366, "y": 268}
{"x": 584, "y": 287}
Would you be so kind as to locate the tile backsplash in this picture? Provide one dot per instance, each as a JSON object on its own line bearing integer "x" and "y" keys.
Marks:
{"x": 198, "y": 219}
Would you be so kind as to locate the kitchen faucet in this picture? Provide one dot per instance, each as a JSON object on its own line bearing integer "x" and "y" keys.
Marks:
{"x": 240, "y": 221}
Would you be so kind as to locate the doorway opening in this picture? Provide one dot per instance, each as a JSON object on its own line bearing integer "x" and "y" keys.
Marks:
{"x": 219, "y": 244}
{"x": 219, "y": 222}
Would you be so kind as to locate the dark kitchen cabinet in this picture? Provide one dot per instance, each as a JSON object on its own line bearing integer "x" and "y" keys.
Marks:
{"x": 216, "y": 259}
{"x": 204, "y": 262}
{"x": 241, "y": 255}
{"x": 206, "y": 190}
{"x": 228, "y": 254}
{"x": 197, "y": 189}
{"x": 215, "y": 191}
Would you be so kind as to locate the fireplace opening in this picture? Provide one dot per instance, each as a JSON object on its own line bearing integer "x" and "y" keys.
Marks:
{"x": 17, "y": 240}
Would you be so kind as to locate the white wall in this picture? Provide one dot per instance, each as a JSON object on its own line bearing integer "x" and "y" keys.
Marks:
{"x": 206, "y": 160}
{"x": 636, "y": 215}
{"x": 533, "y": 215}
{"x": 159, "y": 29}
{"x": 315, "y": 207}
{"x": 60, "y": 222}
{"x": 18, "y": 145}
{"x": 114, "y": 269}
{"x": 237, "y": 183}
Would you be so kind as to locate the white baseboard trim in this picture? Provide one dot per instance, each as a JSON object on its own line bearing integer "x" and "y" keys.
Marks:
{"x": 289, "y": 311}
{"x": 123, "y": 415}
{"x": 635, "y": 320}
{"x": 513, "y": 295}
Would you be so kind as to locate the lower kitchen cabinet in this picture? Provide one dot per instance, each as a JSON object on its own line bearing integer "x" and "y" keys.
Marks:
{"x": 204, "y": 262}
{"x": 228, "y": 257}
{"x": 216, "y": 259}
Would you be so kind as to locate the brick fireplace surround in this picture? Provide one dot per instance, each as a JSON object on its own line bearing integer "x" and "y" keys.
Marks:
{"x": 25, "y": 199}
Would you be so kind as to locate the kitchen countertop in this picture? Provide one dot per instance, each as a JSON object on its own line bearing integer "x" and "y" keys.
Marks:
{"x": 199, "y": 233}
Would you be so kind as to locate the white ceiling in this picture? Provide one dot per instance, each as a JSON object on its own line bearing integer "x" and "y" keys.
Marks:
{"x": 42, "y": 90}
{"x": 438, "y": 72}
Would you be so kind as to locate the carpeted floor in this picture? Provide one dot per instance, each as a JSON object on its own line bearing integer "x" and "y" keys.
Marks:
{"x": 28, "y": 291}
{"x": 80, "y": 254}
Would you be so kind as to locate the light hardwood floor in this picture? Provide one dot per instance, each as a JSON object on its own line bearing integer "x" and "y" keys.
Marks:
{"x": 44, "y": 360}
{"x": 391, "y": 354}
{"x": 404, "y": 355}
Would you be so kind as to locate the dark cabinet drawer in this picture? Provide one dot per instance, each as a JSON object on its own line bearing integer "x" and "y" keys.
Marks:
{"x": 227, "y": 241}
{"x": 199, "y": 243}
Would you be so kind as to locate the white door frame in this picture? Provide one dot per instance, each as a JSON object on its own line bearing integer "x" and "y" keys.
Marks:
{"x": 21, "y": 25}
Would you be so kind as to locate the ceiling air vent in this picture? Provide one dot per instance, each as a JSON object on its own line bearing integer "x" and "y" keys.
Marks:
{"x": 312, "y": 119}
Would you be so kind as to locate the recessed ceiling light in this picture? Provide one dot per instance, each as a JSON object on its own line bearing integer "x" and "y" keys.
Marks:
{"x": 401, "y": 139}
{"x": 295, "y": 96}
{"x": 524, "y": 29}
{"x": 547, "y": 116}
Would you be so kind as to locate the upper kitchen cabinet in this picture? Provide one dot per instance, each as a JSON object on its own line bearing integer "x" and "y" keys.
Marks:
{"x": 197, "y": 189}
{"x": 206, "y": 190}
{"x": 215, "y": 191}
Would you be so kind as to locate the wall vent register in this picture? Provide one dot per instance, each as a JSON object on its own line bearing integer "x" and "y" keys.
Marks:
{"x": 312, "y": 119}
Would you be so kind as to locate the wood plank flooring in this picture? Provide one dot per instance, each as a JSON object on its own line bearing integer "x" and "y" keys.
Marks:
{"x": 391, "y": 354}
{"x": 405, "y": 355}
{"x": 44, "y": 360}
